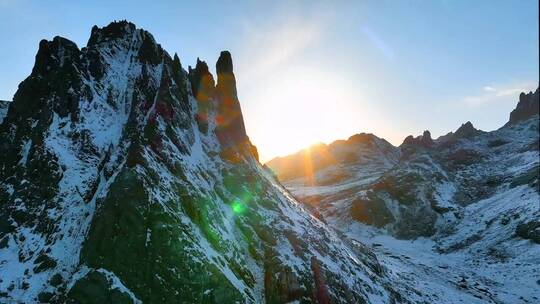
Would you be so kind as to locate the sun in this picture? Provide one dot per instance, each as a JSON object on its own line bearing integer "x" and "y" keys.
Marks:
{"x": 301, "y": 107}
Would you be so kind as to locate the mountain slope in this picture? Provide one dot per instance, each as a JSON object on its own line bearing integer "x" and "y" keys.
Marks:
{"x": 469, "y": 198}
{"x": 127, "y": 179}
{"x": 339, "y": 166}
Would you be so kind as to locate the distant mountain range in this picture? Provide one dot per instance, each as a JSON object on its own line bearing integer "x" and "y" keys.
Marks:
{"x": 472, "y": 196}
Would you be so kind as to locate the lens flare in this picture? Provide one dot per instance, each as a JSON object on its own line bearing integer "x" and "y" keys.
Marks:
{"x": 238, "y": 207}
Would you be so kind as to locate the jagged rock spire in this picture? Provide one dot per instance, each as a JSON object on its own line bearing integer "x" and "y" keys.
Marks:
{"x": 527, "y": 106}
{"x": 114, "y": 30}
{"x": 224, "y": 64}
{"x": 424, "y": 140}
{"x": 230, "y": 124}
{"x": 202, "y": 82}
{"x": 229, "y": 121}
{"x": 52, "y": 54}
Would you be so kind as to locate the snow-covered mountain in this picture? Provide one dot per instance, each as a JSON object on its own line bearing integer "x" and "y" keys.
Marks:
{"x": 466, "y": 206}
{"x": 125, "y": 179}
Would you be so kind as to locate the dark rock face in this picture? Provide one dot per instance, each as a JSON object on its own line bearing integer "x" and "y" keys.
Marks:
{"x": 413, "y": 197}
{"x": 409, "y": 140}
{"x": 203, "y": 86}
{"x": 95, "y": 288}
{"x": 372, "y": 212}
{"x": 115, "y": 30}
{"x": 426, "y": 138}
{"x": 527, "y": 107}
{"x": 224, "y": 64}
{"x": 202, "y": 82}
{"x": 228, "y": 121}
{"x": 529, "y": 230}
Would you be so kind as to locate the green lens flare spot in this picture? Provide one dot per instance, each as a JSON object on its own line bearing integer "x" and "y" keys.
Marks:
{"x": 238, "y": 207}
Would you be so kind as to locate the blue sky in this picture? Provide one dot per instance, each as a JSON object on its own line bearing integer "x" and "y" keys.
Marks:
{"x": 318, "y": 71}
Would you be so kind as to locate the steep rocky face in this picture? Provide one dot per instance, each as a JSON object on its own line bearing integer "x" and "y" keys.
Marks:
{"x": 230, "y": 127}
{"x": 124, "y": 179}
{"x": 527, "y": 107}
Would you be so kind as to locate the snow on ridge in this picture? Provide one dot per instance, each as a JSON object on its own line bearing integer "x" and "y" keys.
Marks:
{"x": 104, "y": 120}
{"x": 25, "y": 150}
{"x": 4, "y": 106}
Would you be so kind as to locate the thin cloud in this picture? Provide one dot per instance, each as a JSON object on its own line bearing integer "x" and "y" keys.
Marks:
{"x": 493, "y": 94}
{"x": 378, "y": 42}
{"x": 266, "y": 50}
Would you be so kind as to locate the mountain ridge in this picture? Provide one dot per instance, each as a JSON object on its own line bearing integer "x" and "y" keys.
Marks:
{"x": 526, "y": 108}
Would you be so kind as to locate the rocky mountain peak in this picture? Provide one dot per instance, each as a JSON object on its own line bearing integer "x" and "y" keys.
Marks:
{"x": 466, "y": 130}
{"x": 362, "y": 137}
{"x": 176, "y": 62}
{"x": 426, "y": 137}
{"x": 230, "y": 123}
{"x": 115, "y": 30}
{"x": 121, "y": 36}
{"x": 527, "y": 107}
{"x": 55, "y": 53}
{"x": 202, "y": 82}
{"x": 423, "y": 140}
{"x": 224, "y": 63}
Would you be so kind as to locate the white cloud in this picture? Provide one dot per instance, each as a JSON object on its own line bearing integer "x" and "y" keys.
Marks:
{"x": 499, "y": 93}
